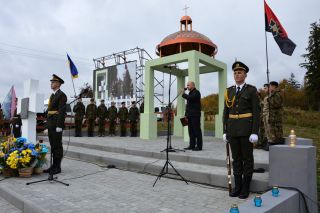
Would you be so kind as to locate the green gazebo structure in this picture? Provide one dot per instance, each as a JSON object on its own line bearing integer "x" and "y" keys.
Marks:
{"x": 198, "y": 51}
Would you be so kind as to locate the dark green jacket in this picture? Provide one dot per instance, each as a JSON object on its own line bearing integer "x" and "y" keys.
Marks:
{"x": 57, "y": 102}
{"x": 112, "y": 113}
{"x": 134, "y": 114}
{"x": 91, "y": 111}
{"x": 79, "y": 110}
{"x": 102, "y": 111}
{"x": 247, "y": 101}
{"x": 123, "y": 114}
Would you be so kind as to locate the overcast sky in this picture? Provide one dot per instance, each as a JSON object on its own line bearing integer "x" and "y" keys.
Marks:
{"x": 35, "y": 36}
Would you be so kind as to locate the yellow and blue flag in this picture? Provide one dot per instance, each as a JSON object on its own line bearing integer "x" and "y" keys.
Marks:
{"x": 73, "y": 68}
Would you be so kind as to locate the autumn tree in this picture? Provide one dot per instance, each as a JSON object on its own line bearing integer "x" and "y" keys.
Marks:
{"x": 312, "y": 65}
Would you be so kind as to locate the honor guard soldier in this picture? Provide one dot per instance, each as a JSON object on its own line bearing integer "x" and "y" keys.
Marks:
{"x": 79, "y": 110}
{"x": 102, "y": 113}
{"x": 91, "y": 115}
{"x": 55, "y": 123}
{"x": 123, "y": 117}
{"x": 112, "y": 115}
{"x": 240, "y": 127}
{"x": 133, "y": 118}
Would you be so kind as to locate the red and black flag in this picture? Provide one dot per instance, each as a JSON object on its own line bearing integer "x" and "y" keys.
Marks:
{"x": 274, "y": 26}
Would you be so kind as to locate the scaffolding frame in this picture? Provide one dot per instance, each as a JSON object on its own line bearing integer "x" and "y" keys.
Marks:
{"x": 136, "y": 54}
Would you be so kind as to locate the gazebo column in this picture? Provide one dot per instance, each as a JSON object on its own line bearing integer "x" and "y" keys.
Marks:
{"x": 222, "y": 87}
{"x": 148, "y": 119}
{"x": 178, "y": 128}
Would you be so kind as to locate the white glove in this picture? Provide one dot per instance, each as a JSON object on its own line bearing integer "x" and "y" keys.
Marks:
{"x": 253, "y": 138}
{"x": 58, "y": 129}
{"x": 224, "y": 137}
{"x": 45, "y": 131}
{"x": 17, "y": 125}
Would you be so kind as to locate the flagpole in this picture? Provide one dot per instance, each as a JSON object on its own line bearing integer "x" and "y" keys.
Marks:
{"x": 267, "y": 59}
{"x": 75, "y": 94}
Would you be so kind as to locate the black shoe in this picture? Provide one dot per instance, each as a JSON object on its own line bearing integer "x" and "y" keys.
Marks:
{"x": 238, "y": 185}
{"x": 55, "y": 171}
{"x": 245, "y": 187}
{"x": 197, "y": 149}
{"x": 47, "y": 170}
{"x": 189, "y": 148}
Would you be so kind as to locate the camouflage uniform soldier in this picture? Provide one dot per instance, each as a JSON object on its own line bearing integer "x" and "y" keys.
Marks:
{"x": 112, "y": 115}
{"x": 123, "y": 117}
{"x": 91, "y": 114}
{"x": 262, "y": 137}
{"x": 102, "y": 113}
{"x": 272, "y": 115}
{"x": 80, "y": 111}
{"x": 133, "y": 118}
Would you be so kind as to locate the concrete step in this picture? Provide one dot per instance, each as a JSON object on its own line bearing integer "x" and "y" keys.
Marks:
{"x": 195, "y": 172}
{"x": 175, "y": 156}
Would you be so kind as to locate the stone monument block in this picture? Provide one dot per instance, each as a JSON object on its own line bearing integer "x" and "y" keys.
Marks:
{"x": 295, "y": 167}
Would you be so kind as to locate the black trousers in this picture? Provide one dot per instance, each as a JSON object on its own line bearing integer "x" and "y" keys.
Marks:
{"x": 195, "y": 133}
{"x": 78, "y": 126}
{"x": 242, "y": 155}
{"x": 91, "y": 123}
{"x": 55, "y": 139}
{"x": 133, "y": 128}
{"x": 123, "y": 127}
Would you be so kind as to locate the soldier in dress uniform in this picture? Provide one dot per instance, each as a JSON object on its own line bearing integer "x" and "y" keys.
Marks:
{"x": 240, "y": 127}
{"x": 79, "y": 110}
{"x": 123, "y": 117}
{"x": 91, "y": 115}
{"x": 112, "y": 116}
{"x": 102, "y": 115}
{"x": 272, "y": 116}
{"x": 55, "y": 123}
{"x": 133, "y": 118}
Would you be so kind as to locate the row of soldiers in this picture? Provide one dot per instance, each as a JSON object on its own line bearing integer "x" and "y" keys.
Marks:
{"x": 103, "y": 114}
{"x": 270, "y": 131}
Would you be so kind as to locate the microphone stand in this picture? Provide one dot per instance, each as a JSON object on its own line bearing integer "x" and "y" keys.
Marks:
{"x": 50, "y": 175}
{"x": 165, "y": 168}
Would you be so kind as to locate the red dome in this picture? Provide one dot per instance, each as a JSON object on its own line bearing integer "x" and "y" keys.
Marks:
{"x": 185, "y": 40}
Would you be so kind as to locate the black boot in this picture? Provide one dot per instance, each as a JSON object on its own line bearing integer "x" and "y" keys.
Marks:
{"x": 237, "y": 189}
{"x": 56, "y": 168}
{"x": 245, "y": 187}
{"x": 47, "y": 170}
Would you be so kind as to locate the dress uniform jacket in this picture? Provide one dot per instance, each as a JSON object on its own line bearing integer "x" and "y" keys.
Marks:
{"x": 237, "y": 120}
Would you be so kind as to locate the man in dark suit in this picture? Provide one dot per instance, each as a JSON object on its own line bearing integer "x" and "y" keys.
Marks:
{"x": 55, "y": 123}
{"x": 193, "y": 114}
{"x": 240, "y": 127}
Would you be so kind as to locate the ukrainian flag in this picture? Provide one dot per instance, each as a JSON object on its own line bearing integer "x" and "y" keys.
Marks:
{"x": 73, "y": 68}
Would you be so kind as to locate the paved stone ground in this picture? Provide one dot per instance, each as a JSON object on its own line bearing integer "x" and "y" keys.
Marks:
{"x": 6, "y": 207}
{"x": 102, "y": 190}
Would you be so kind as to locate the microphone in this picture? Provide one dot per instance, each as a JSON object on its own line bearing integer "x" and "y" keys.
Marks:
{"x": 185, "y": 88}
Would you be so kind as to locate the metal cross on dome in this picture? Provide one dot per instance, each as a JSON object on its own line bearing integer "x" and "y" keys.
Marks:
{"x": 185, "y": 9}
